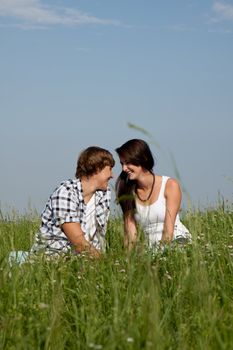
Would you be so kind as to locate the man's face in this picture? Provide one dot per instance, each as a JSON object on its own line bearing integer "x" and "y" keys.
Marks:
{"x": 103, "y": 177}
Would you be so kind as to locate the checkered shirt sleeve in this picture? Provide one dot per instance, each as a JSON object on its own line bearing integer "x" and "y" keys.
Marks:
{"x": 65, "y": 205}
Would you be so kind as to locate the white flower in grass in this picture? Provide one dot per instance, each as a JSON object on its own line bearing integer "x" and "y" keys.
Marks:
{"x": 43, "y": 306}
{"x": 95, "y": 346}
{"x": 168, "y": 275}
{"x": 163, "y": 258}
{"x": 130, "y": 340}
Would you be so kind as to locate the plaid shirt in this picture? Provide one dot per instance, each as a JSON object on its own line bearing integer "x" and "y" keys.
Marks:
{"x": 66, "y": 204}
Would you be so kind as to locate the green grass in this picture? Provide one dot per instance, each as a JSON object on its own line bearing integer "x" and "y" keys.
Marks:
{"x": 176, "y": 299}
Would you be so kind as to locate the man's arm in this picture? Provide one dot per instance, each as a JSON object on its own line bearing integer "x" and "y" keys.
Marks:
{"x": 75, "y": 235}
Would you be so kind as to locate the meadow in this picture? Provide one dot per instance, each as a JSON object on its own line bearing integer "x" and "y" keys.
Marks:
{"x": 179, "y": 298}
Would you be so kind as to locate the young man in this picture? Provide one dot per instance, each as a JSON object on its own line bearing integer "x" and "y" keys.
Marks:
{"x": 75, "y": 216}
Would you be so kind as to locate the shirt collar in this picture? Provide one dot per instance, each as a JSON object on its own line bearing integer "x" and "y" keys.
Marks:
{"x": 98, "y": 194}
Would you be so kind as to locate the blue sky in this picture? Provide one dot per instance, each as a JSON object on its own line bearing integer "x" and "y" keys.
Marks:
{"x": 74, "y": 73}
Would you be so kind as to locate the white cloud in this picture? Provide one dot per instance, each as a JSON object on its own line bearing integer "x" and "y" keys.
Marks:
{"x": 225, "y": 11}
{"x": 33, "y": 13}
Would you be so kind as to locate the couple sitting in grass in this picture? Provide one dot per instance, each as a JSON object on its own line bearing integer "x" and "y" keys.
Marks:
{"x": 76, "y": 214}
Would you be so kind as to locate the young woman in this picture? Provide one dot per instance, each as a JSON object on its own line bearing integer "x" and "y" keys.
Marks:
{"x": 146, "y": 198}
{"x": 76, "y": 214}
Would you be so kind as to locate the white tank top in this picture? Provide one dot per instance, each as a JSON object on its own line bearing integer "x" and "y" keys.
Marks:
{"x": 151, "y": 217}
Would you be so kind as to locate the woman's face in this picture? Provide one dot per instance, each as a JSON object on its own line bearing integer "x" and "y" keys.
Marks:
{"x": 133, "y": 171}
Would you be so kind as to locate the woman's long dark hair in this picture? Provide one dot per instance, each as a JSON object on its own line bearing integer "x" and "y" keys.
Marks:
{"x": 136, "y": 152}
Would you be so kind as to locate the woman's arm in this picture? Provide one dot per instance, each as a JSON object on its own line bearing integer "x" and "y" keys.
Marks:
{"x": 130, "y": 231}
{"x": 173, "y": 201}
{"x": 75, "y": 235}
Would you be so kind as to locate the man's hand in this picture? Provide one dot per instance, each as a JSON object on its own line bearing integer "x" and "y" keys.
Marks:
{"x": 75, "y": 235}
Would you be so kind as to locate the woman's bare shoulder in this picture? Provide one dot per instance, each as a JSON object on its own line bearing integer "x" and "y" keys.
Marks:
{"x": 172, "y": 186}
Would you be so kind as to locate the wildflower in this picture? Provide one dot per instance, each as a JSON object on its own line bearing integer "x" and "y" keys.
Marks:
{"x": 168, "y": 275}
{"x": 130, "y": 340}
{"x": 95, "y": 346}
{"x": 43, "y": 306}
{"x": 163, "y": 258}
